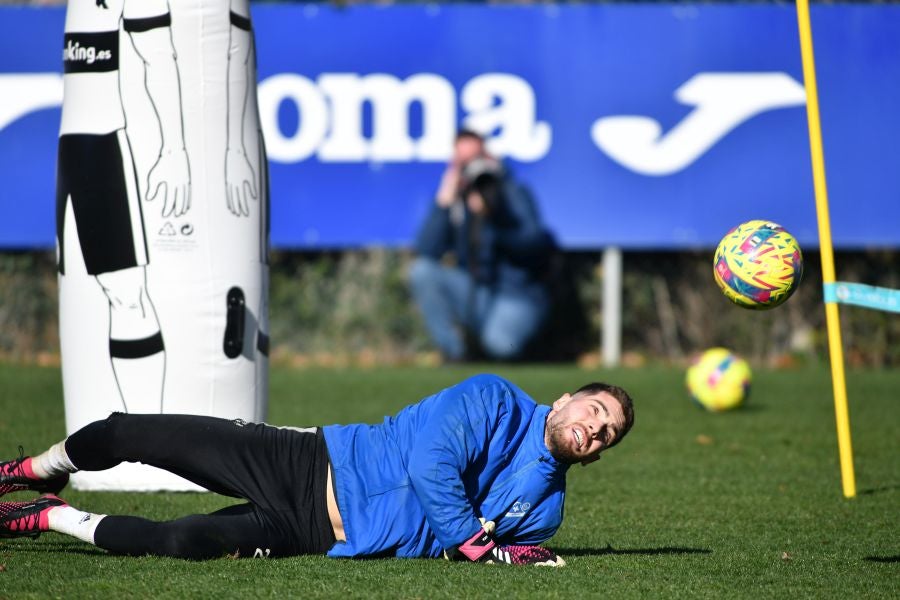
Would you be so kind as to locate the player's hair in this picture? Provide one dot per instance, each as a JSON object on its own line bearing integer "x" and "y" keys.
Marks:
{"x": 620, "y": 395}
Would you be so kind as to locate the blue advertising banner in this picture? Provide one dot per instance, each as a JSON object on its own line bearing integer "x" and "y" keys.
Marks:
{"x": 643, "y": 126}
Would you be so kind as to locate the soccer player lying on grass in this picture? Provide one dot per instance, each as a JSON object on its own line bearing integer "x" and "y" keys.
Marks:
{"x": 475, "y": 472}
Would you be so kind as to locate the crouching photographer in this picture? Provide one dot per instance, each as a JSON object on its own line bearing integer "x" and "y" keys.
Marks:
{"x": 481, "y": 254}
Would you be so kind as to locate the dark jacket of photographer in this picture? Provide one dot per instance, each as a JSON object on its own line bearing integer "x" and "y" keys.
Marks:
{"x": 505, "y": 248}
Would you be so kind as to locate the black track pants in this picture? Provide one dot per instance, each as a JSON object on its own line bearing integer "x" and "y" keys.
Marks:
{"x": 281, "y": 472}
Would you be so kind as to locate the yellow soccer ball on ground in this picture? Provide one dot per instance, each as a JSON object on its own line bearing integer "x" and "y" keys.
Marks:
{"x": 718, "y": 380}
{"x": 758, "y": 265}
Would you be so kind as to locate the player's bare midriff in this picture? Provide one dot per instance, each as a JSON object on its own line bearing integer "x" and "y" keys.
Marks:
{"x": 337, "y": 524}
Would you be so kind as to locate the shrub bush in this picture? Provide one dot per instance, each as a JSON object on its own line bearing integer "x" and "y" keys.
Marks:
{"x": 356, "y": 306}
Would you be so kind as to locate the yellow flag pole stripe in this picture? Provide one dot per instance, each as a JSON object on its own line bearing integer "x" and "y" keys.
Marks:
{"x": 835, "y": 347}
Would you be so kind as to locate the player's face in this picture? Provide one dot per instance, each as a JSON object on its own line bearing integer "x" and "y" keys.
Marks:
{"x": 580, "y": 427}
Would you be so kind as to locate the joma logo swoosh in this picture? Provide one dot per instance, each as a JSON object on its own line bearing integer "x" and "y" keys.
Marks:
{"x": 24, "y": 93}
{"x": 723, "y": 101}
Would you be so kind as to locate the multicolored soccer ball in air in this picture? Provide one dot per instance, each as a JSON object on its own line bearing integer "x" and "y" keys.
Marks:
{"x": 758, "y": 265}
{"x": 718, "y": 380}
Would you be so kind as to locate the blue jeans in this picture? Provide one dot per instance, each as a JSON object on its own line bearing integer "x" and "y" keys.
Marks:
{"x": 503, "y": 322}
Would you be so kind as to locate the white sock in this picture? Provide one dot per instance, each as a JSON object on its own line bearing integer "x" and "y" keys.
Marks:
{"x": 74, "y": 522}
{"x": 53, "y": 462}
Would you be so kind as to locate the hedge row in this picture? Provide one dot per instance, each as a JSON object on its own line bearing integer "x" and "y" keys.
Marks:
{"x": 339, "y": 307}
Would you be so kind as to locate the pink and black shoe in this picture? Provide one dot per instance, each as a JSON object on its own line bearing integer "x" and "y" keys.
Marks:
{"x": 27, "y": 519}
{"x": 16, "y": 475}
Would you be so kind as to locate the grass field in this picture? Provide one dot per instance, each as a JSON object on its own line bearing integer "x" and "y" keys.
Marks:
{"x": 692, "y": 504}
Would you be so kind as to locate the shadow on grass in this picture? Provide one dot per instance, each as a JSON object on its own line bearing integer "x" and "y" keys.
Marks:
{"x": 883, "y": 559}
{"x": 642, "y": 551}
{"x": 878, "y": 490}
{"x": 26, "y": 546}
{"x": 75, "y": 548}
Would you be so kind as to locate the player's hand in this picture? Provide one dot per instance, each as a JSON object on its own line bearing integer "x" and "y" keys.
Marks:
{"x": 525, "y": 555}
{"x": 478, "y": 547}
{"x": 240, "y": 183}
{"x": 171, "y": 175}
{"x": 482, "y": 548}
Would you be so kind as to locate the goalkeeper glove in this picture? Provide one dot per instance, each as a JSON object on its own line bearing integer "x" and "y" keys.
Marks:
{"x": 481, "y": 547}
{"x": 478, "y": 547}
{"x": 526, "y": 555}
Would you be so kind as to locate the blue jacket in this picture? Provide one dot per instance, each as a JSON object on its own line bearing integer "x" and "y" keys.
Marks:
{"x": 417, "y": 483}
{"x": 513, "y": 247}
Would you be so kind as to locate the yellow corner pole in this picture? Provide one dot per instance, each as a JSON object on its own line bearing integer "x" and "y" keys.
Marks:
{"x": 833, "y": 322}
